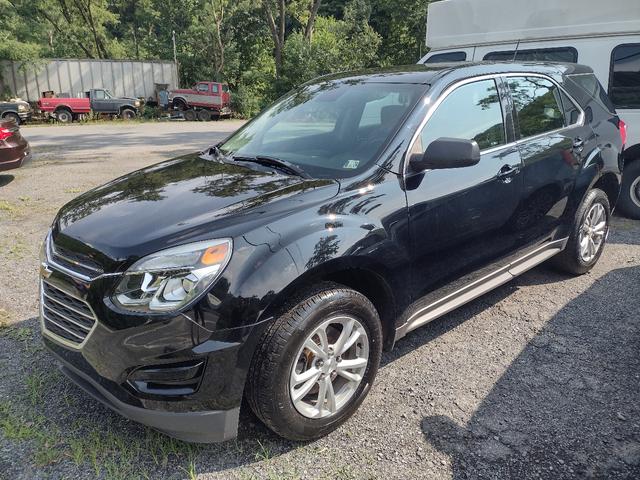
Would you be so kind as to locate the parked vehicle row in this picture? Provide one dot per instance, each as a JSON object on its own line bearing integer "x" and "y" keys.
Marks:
{"x": 586, "y": 31}
{"x": 65, "y": 109}
{"x": 277, "y": 265}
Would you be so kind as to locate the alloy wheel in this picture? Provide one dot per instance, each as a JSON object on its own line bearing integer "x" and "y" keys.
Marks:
{"x": 593, "y": 232}
{"x": 329, "y": 367}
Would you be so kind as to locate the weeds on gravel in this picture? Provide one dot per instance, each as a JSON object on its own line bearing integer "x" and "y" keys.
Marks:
{"x": 264, "y": 452}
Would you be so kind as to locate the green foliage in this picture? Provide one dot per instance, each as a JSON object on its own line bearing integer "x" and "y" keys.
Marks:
{"x": 336, "y": 45}
{"x": 224, "y": 40}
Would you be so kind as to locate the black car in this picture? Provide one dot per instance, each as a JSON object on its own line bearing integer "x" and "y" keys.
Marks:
{"x": 278, "y": 264}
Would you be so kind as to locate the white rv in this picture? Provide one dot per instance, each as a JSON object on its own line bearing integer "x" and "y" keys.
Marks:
{"x": 602, "y": 35}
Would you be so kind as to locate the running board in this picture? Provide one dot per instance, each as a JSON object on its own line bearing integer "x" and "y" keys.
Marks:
{"x": 480, "y": 287}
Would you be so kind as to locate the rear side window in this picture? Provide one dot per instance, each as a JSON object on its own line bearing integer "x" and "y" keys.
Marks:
{"x": 447, "y": 57}
{"x": 560, "y": 54}
{"x": 538, "y": 105}
{"x": 624, "y": 80}
{"x": 470, "y": 112}
{"x": 202, "y": 87}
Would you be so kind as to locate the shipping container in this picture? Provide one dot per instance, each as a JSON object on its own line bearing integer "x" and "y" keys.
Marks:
{"x": 75, "y": 76}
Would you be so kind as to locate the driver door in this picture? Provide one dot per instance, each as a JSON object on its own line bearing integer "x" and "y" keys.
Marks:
{"x": 457, "y": 217}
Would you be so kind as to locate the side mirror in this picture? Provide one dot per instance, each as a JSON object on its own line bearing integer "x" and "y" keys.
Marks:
{"x": 446, "y": 153}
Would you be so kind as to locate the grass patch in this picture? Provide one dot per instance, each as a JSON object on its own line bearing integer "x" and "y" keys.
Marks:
{"x": 73, "y": 190}
{"x": 263, "y": 453}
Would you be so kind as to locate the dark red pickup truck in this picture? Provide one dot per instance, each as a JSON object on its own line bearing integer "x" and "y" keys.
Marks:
{"x": 67, "y": 109}
{"x": 205, "y": 101}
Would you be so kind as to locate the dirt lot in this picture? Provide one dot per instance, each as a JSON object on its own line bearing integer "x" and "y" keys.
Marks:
{"x": 538, "y": 379}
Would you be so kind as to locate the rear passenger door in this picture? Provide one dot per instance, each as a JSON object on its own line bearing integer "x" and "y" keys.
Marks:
{"x": 457, "y": 215}
{"x": 552, "y": 136}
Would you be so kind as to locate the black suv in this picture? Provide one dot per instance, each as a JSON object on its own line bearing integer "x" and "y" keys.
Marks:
{"x": 278, "y": 264}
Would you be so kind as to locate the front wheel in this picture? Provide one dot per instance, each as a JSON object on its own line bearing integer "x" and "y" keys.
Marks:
{"x": 12, "y": 116}
{"x": 127, "y": 114}
{"x": 629, "y": 201}
{"x": 588, "y": 237}
{"x": 316, "y": 363}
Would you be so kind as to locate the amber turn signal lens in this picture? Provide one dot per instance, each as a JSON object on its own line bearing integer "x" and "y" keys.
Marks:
{"x": 213, "y": 255}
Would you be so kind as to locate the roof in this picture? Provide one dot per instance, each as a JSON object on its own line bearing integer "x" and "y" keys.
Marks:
{"x": 428, "y": 74}
{"x": 457, "y": 23}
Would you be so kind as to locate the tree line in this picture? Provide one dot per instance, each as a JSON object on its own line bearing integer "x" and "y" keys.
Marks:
{"x": 262, "y": 48}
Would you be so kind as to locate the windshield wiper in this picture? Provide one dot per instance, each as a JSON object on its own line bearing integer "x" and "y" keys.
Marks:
{"x": 268, "y": 161}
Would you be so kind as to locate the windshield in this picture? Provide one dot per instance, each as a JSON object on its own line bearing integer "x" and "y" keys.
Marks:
{"x": 331, "y": 129}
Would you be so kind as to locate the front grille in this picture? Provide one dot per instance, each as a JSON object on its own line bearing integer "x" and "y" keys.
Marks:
{"x": 66, "y": 316}
{"x": 75, "y": 261}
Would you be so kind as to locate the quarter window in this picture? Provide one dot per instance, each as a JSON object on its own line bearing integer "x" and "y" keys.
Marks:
{"x": 561, "y": 54}
{"x": 447, "y": 57}
{"x": 624, "y": 83}
{"x": 537, "y": 103}
{"x": 471, "y": 112}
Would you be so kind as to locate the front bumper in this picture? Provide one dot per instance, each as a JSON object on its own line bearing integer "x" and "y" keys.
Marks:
{"x": 181, "y": 374}
{"x": 201, "y": 427}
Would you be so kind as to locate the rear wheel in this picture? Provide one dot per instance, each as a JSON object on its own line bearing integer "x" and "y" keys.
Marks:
{"x": 204, "y": 115}
{"x": 629, "y": 201}
{"x": 189, "y": 115}
{"x": 127, "y": 114}
{"x": 12, "y": 116}
{"x": 588, "y": 237}
{"x": 64, "y": 116}
{"x": 316, "y": 363}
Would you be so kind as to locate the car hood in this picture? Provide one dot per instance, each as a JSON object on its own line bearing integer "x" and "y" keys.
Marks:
{"x": 179, "y": 201}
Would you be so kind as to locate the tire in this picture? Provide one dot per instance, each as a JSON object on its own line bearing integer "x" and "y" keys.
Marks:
{"x": 572, "y": 259}
{"x": 12, "y": 116}
{"x": 64, "y": 116}
{"x": 282, "y": 348}
{"x": 127, "y": 114}
{"x": 629, "y": 201}
{"x": 189, "y": 115}
{"x": 204, "y": 115}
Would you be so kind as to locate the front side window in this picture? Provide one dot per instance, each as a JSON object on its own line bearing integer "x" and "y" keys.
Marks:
{"x": 624, "y": 83}
{"x": 471, "y": 112}
{"x": 214, "y": 87}
{"x": 332, "y": 129}
{"x": 447, "y": 57}
{"x": 560, "y": 54}
{"x": 537, "y": 103}
{"x": 203, "y": 87}
{"x": 99, "y": 95}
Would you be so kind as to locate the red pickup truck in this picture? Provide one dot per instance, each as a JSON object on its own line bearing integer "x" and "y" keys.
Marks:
{"x": 67, "y": 109}
{"x": 205, "y": 101}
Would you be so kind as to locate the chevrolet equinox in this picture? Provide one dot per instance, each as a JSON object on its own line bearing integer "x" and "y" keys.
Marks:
{"x": 277, "y": 265}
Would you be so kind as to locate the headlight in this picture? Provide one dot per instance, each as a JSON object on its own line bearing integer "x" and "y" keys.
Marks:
{"x": 170, "y": 279}
{"x": 137, "y": 103}
{"x": 22, "y": 108}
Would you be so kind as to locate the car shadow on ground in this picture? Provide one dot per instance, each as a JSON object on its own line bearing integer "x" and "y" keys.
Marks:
{"x": 6, "y": 179}
{"x": 567, "y": 406}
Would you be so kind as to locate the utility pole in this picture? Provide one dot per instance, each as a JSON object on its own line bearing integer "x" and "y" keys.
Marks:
{"x": 175, "y": 57}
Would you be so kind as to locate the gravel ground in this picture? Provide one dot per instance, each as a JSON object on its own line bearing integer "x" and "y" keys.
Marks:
{"x": 538, "y": 379}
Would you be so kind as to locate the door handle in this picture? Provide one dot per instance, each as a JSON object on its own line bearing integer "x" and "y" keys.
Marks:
{"x": 507, "y": 172}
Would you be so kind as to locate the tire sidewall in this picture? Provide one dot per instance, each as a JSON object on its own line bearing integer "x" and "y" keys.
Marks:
{"x": 334, "y": 304}
{"x": 625, "y": 203}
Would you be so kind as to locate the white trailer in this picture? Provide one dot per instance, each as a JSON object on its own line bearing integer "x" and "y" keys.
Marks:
{"x": 123, "y": 78}
{"x": 602, "y": 35}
